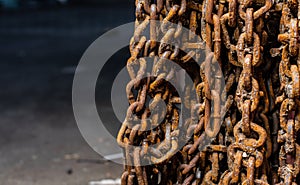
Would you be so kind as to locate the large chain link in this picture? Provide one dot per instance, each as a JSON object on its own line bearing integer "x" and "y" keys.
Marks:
{"x": 252, "y": 139}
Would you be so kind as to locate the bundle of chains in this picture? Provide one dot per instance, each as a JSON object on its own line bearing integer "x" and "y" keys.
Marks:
{"x": 255, "y": 43}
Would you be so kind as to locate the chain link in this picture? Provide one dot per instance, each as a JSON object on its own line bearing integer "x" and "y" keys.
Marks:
{"x": 255, "y": 45}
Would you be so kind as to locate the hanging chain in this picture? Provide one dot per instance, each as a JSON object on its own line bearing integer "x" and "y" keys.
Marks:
{"x": 243, "y": 132}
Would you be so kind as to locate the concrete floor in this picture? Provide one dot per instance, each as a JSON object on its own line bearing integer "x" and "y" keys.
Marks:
{"x": 40, "y": 143}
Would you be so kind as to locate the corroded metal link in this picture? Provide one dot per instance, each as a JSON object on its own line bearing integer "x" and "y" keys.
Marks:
{"x": 245, "y": 132}
{"x": 288, "y": 167}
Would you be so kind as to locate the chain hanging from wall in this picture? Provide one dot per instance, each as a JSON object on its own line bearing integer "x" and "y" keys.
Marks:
{"x": 253, "y": 138}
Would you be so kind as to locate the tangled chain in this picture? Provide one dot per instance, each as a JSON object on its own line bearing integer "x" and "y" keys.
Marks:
{"x": 252, "y": 136}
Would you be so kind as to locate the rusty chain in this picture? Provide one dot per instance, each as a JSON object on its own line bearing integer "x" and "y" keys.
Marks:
{"x": 250, "y": 137}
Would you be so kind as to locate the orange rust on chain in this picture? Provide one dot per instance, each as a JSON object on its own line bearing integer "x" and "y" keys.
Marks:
{"x": 140, "y": 29}
{"x": 188, "y": 167}
{"x": 249, "y": 141}
{"x": 215, "y": 166}
{"x": 256, "y": 126}
{"x": 182, "y": 9}
{"x": 217, "y": 38}
{"x": 209, "y": 10}
{"x": 193, "y": 25}
{"x": 167, "y": 19}
{"x": 234, "y": 147}
{"x": 124, "y": 178}
{"x": 250, "y": 172}
{"x": 242, "y": 93}
{"x": 167, "y": 155}
{"x": 246, "y": 118}
{"x": 208, "y": 178}
{"x": 196, "y": 144}
{"x": 249, "y": 25}
{"x": 226, "y": 178}
{"x": 194, "y": 6}
{"x": 153, "y": 34}
{"x": 212, "y": 132}
{"x": 236, "y": 167}
{"x": 232, "y": 14}
{"x": 147, "y": 5}
{"x": 226, "y": 39}
{"x": 138, "y": 168}
{"x": 241, "y": 50}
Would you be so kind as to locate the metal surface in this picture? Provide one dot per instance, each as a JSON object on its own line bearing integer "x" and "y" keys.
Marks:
{"x": 255, "y": 42}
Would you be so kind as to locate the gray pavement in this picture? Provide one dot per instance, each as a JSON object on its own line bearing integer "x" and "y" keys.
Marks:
{"x": 40, "y": 143}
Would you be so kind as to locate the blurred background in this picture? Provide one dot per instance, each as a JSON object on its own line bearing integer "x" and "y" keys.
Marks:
{"x": 42, "y": 42}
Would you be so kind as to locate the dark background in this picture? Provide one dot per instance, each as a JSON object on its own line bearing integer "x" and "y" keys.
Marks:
{"x": 41, "y": 43}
